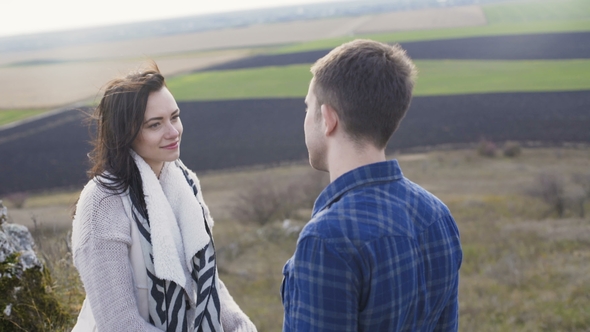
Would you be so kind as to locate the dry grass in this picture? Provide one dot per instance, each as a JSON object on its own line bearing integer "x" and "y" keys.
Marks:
{"x": 522, "y": 270}
{"x": 53, "y": 247}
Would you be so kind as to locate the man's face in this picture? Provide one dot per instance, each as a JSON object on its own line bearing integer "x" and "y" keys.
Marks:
{"x": 314, "y": 138}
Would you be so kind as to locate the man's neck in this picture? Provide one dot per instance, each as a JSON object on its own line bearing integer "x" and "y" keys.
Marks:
{"x": 346, "y": 157}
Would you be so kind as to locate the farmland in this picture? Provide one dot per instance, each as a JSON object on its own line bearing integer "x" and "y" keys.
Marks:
{"x": 51, "y": 152}
{"x": 56, "y": 77}
{"x": 68, "y": 82}
{"x": 554, "y": 46}
{"x": 435, "y": 78}
{"x": 10, "y": 116}
{"x": 527, "y": 17}
{"x": 229, "y": 94}
{"x": 249, "y": 111}
{"x": 522, "y": 75}
{"x": 60, "y": 76}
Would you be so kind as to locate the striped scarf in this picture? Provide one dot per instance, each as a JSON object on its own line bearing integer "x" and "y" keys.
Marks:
{"x": 171, "y": 306}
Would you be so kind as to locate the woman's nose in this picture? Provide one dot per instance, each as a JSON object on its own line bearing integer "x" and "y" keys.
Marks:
{"x": 172, "y": 131}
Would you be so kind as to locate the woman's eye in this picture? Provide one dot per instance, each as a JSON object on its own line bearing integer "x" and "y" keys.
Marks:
{"x": 154, "y": 125}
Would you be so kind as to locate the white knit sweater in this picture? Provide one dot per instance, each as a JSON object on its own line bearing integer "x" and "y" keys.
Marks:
{"x": 101, "y": 241}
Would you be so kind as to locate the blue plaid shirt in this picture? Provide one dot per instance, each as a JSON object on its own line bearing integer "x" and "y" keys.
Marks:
{"x": 379, "y": 254}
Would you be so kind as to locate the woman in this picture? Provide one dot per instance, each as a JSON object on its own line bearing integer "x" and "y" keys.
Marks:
{"x": 141, "y": 232}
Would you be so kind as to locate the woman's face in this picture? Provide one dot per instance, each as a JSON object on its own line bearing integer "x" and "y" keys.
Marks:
{"x": 159, "y": 138}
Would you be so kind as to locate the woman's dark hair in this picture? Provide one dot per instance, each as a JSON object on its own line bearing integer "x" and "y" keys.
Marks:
{"x": 119, "y": 118}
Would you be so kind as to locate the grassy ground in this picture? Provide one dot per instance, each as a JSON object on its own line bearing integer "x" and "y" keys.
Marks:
{"x": 286, "y": 81}
{"x": 524, "y": 268}
{"x": 442, "y": 77}
{"x": 8, "y": 116}
{"x": 462, "y": 77}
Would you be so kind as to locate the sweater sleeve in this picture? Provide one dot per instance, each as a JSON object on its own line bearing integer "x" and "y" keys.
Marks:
{"x": 233, "y": 319}
{"x": 101, "y": 242}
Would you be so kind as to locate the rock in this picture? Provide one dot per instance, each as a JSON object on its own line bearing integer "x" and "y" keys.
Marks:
{"x": 3, "y": 214}
{"x": 27, "y": 301}
{"x": 23, "y": 243}
{"x": 16, "y": 239}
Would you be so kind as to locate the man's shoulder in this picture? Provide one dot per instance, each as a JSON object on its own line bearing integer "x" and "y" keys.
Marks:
{"x": 422, "y": 205}
{"x": 344, "y": 224}
{"x": 396, "y": 208}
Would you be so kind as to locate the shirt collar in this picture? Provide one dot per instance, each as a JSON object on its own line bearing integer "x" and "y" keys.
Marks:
{"x": 372, "y": 173}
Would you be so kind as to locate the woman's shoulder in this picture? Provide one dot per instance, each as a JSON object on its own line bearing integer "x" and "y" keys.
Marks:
{"x": 100, "y": 213}
{"x": 98, "y": 188}
{"x": 99, "y": 204}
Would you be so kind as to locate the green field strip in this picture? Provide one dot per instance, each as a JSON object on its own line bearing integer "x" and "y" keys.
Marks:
{"x": 440, "y": 77}
{"x": 527, "y": 17}
{"x": 8, "y": 116}
{"x": 266, "y": 82}
{"x": 465, "y": 77}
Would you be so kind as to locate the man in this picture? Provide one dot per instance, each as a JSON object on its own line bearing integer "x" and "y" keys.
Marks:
{"x": 380, "y": 253}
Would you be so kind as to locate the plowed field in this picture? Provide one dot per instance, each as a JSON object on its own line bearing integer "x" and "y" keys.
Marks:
{"x": 551, "y": 46}
{"x": 51, "y": 152}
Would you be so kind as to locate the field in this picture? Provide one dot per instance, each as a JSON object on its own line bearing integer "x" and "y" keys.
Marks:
{"x": 267, "y": 82}
{"x": 517, "y": 72}
{"x": 426, "y": 19}
{"x": 51, "y": 153}
{"x": 434, "y": 78}
{"x": 519, "y": 63}
{"x": 10, "y": 116}
{"x": 61, "y": 76}
{"x": 42, "y": 85}
{"x": 553, "y": 46}
{"x": 524, "y": 268}
{"x": 56, "y": 77}
{"x": 526, "y": 17}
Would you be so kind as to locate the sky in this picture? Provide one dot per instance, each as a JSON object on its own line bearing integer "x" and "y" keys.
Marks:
{"x": 32, "y": 16}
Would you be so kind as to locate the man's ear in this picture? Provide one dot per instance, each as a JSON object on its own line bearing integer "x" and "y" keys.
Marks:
{"x": 330, "y": 119}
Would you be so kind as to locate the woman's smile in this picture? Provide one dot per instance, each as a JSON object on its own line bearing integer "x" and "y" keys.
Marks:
{"x": 172, "y": 146}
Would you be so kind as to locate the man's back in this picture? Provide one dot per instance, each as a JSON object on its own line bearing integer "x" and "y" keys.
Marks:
{"x": 380, "y": 254}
